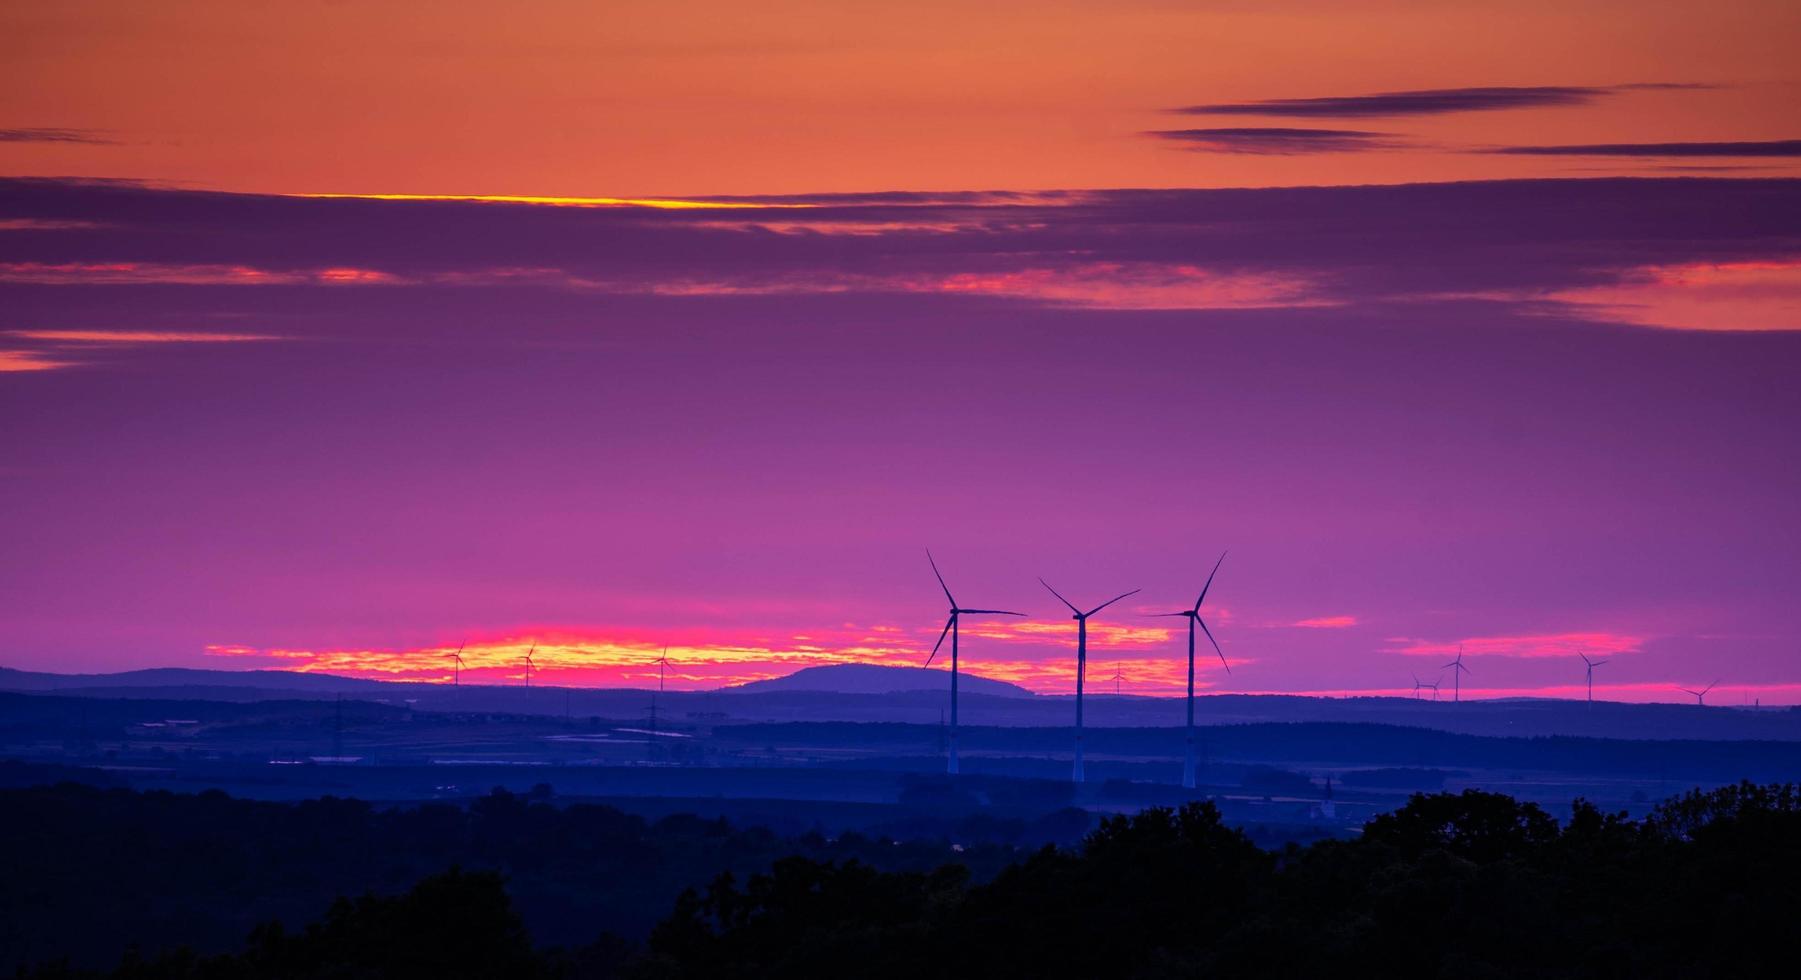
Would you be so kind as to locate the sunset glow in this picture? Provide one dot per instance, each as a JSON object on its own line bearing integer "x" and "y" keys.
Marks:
{"x": 347, "y": 335}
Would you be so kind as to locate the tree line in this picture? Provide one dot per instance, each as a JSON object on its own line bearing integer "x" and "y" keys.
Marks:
{"x": 1472, "y": 884}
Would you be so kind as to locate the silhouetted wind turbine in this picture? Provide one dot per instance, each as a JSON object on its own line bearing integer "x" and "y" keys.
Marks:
{"x": 456, "y": 666}
{"x": 1457, "y": 672}
{"x": 1416, "y": 686}
{"x": 662, "y": 663}
{"x": 951, "y": 627}
{"x": 1194, "y": 619}
{"x": 1701, "y": 695}
{"x": 1591, "y": 665}
{"x": 1081, "y": 619}
{"x": 1434, "y": 685}
{"x": 529, "y": 664}
{"x": 1119, "y": 674}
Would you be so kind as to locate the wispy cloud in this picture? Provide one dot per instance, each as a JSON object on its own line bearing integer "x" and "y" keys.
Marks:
{"x": 174, "y": 274}
{"x": 1421, "y": 102}
{"x": 19, "y": 361}
{"x": 1277, "y": 140}
{"x": 1763, "y": 149}
{"x": 1527, "y": 646}
{"x": 53, "y": 135}
{"x": 138, "y": 336}
{"x": 55, "y": 349}
{"x": 1326, "y": 623}
{"x": 1762, "y": 295}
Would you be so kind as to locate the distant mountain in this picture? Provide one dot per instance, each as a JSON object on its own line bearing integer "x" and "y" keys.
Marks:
{"x": 283, "y": 680}
{"x": 874, "y": 679}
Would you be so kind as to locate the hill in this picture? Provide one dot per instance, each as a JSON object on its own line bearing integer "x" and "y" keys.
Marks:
{"x": 874, "y": 679}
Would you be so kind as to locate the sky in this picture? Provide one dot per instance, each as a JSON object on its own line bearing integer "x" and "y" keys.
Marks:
{"x": 334, "y": 337}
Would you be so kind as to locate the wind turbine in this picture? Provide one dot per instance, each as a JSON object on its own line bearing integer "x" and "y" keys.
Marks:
{"x": 1416, "y": 687}
{"x": 951, "y": 627}
{"x": 1119, "y": 674}
{"x": 1440, "y": 679}
{"x": 662, "y": 664}
{"x": 456, "y": 666}
{"x": 1701, "y": 695}
{"x": 1457, "y": 672}
{"x": 1591, "y": 665}
{"x": 1194, "y": 619}
{"x": 1081, "y": 619}
{"x": 529, "y": 664}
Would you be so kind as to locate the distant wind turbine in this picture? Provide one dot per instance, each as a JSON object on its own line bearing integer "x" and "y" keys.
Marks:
{"x": 456, "y": 666}
{"x": 1119, "y": 674}
{"x": 529, "y": 664}
{"x": 1081, "y": 618}
{"x": 1416, "y": 687}
{"x": 1701, "y": 695}
{"x": 1194, "y": 619}
{"x": 951, "y": 626}
{"x": 1591, "y": 665}
{"x": 1457, "y": 671}
{"x": 662, "y": 664}
{"x": 1440, "y": 679}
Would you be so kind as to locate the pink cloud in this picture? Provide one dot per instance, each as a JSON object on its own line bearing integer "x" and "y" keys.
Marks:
{"x": 1529, "y": 646}
{"x": 26, "y": 360}
{"x": 164, "y": 273}
{"x": 138, "y": 336}
{"x": 1326, "y": 623}
{"x": 1700, "y": 296}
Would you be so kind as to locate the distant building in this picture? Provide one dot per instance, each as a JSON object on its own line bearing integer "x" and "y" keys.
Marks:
{"x": 1325, "y": 809}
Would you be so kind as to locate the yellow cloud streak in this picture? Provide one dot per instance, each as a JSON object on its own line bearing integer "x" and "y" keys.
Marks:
{"x": 667, "y": 204}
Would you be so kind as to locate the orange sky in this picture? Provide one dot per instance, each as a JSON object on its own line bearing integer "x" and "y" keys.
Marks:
{"x": 707, "y": 97}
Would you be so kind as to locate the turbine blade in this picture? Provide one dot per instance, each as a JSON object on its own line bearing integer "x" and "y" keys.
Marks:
{"x": 1182, "y": 613}
{"x": 1209, "y": 585}
{"x": 1111, "y": 601}
{"x": 1216, "y": 649}
{"x": 941, "y": 636}
{"x": 1059, "y": 595}
{"x": 946, "y": 588}
{"x": 990, "y": 612}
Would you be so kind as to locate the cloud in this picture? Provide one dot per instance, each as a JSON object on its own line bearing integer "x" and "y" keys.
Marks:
{"x": 1530, "y": 646}
{"x": 1423, "y": 102}
{"x": 1276, "y": 140}
{"x": 50, "y": 350}
{"x": 138, "y": 336}
{"x": 87, "y": 136}
{"x": 1766, "y": 149}
{"x": 26, "y": 360}
{"x": 1699, "y": 296}
{"x": 163, "y": 273}
{"x": 1327, "y": 623}
{"x": 1531, "y": 246}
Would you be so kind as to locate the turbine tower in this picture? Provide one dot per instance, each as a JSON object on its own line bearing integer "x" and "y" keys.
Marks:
{"x": 662, "y": 664}
{"x": 1591, "y": 665}
{"x": 1081, "y": 619}
{"x": 951, "y": 627}
{"x": 1194, "y": 619}
{"x": 1701, "y": 695}
{"x": 529, "y": 664}
{"x": 456, "y": 666}
{"x": 1457, "y": 672}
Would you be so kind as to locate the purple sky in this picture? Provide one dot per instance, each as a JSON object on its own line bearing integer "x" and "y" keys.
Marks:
{"x": 347, "y": 434}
